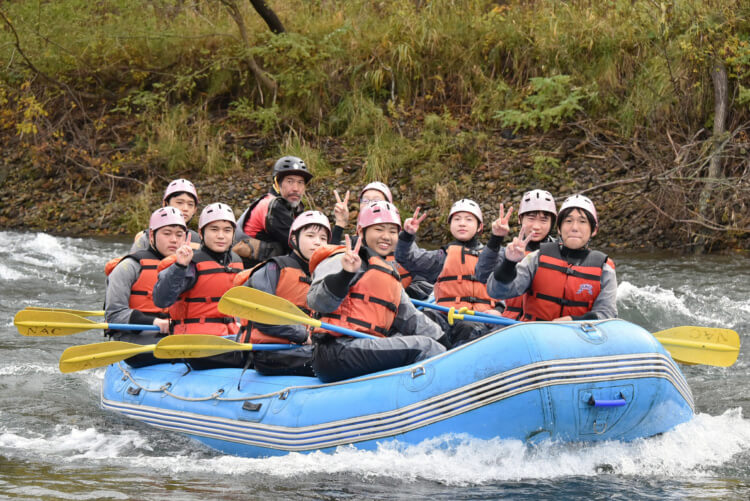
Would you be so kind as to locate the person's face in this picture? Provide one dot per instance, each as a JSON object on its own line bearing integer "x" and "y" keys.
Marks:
{"x": 370, "y": 196}
{"x": 575, "y": 231}
{"x": 292, "y": 188}
{"x": 168, "y": 239}
{"x": 464, "y": 226}
{"x": 381, "y": 238}
{"x": 310, "y": 238}
{"x": 218, "y": 235}
{"x": 537, "y": 223}
{"x": 185, "y": 204}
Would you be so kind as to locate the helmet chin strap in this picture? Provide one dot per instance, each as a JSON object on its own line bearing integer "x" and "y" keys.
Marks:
{"x": 276, "y": 185}
{"x": 295, "y": 246}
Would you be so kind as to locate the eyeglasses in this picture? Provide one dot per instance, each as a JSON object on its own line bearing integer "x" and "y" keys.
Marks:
{"x": 366, "y": 201}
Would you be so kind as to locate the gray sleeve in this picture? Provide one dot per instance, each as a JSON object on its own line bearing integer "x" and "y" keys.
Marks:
{"x": 117, "y": 296}
{"x": 266, "y": 279}
{"x": 605, "y": 304}
{"x": 141, "y": 244}
{"x": 172, "y": 282}
{"x": 411, "y": 322}
{"x": 426, "y": 263}
{"x": 525, "y": 271}
{"x": 488, "y": 260}
{"x": 319, "y": 297}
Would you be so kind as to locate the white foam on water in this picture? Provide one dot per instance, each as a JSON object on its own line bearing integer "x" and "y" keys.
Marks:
{"x": 696, "y": 449}
{"x": 27, "y": 369}
{"x": 9, "y": 274}
{"x": 74, "y": 444}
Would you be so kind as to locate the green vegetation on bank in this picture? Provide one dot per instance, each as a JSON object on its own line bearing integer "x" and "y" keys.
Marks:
{"x": 141, "y": 88}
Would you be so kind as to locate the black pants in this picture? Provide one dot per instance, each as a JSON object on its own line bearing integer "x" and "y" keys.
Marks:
{"x": 296, "y": 362}
{"x": 338, "y": 358}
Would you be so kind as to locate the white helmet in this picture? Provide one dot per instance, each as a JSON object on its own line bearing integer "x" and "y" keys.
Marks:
{"x": 537, "y": 200}
{"x": 378, "y": 186}
{"x": 216, "y": 212}
{"x": 467, "y": 205}
{"x": 307, "y": 218}
{"x": 580, "y": 202}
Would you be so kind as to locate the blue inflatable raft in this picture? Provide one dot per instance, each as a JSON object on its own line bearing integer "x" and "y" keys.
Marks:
{"x": 607, "y": 380}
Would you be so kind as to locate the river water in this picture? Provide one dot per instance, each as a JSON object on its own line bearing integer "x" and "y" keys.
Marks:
{"x": 56, "y": 443}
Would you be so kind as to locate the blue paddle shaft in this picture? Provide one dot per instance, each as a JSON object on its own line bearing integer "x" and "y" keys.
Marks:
{"x": 132, "y": 327}
{"x": 274, "y": 347}
{"x": 345, "y": 331}
{"x": 484, "y": 318}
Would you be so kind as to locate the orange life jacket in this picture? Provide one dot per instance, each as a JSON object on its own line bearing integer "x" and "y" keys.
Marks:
{"x": 196, "y": 310}
{"x": 292, "y": 285}
{"x": 404, "y": 274}
{"x": 372, "y": 302}
{"x": 560, "y": 288}
{"x": 142, "y": 290}
{"x": 457, "y": 285}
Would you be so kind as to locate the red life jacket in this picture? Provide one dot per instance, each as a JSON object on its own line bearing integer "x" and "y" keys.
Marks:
{"x": 514, "y": 305}
{"x": 142, "y": 290}
{"x": 403, "y": 273}
{"x": 457, "y": 285}
{"x": 560, "y": 288}
{"x": 293, "y": 284}
{"x": 196, "y": 310}
{"x": 372, "y": 302}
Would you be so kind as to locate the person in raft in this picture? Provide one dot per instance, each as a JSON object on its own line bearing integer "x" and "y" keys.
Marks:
{"x": 416, "y": 286}
{"x": 354, "y": 287}
{"x": 181, "y": 195}
{"x": 191, "y": 282}
{"x": 451, "y": 267}
{"x": 562, "y": 280}
{"x": 536, "y": 215}
{"x": 128, "y": 297}
{"x": 287, "y": 277}
{"x": 263, "y": 229}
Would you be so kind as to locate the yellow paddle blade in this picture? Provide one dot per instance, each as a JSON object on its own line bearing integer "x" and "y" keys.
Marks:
{"x": 83, "y": 313}
{"x": 196, "y": 346}
{"x": 701, "y": 345}
{"x": 259, "y": 306}
{"x": 89, "y": 356}
{"x": 52, "y": 323}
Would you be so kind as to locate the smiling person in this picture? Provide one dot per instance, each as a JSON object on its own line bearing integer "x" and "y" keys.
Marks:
{"x": 450, "y": 267}
{"x": 128, "y": 298}
{"x": 536, "y": 215}
{"x": 355, "y": 287}
{"x": 181, "y": 195}
{"x": 287, "y": 277}
{"x": 562, "y": 280}
{"x": 263, "y": 229}
{"x": 191, "y": 282}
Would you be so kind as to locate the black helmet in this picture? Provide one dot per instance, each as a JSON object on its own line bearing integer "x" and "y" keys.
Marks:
{"x": 285, "y": 166}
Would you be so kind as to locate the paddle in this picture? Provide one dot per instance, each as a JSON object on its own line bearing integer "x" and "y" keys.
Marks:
{"x": 83, "y": 313}
{"x": 90, "y": 356}
{"x": 261, "y": 307}
{"x": 58, "y": 323}
{"x": 201, "y": 345}
{"x": 687, "y": 344}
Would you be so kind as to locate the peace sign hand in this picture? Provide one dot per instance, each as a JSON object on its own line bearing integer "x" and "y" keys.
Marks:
{"x": 341, "y": 209}
{"x": 516, "y": 250}
{"x": 351, "y": 260}
{"x": 184, "y": 255}
{"x": 411, "y": 225}
{"x": 501, "y": 226}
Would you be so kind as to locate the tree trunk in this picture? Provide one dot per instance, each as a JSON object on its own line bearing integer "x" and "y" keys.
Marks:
{"x": 721, "y": 103}
{"x": 263, "y": 79}
{"x": 268, "y": 16}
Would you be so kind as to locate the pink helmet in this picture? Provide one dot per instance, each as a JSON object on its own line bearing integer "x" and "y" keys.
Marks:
{"x": 216, "y": 212}
{"x": 580, "y": 202}
{"x": 537, "y": 200}
{"x": 307, "y": 218}
{"x": 379, "y": 212}
{"x": 467, "y": 205}
{"x": 378, "y": 186}
{"x": 179, "y": 186}
{"x": 166, "y": 216}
